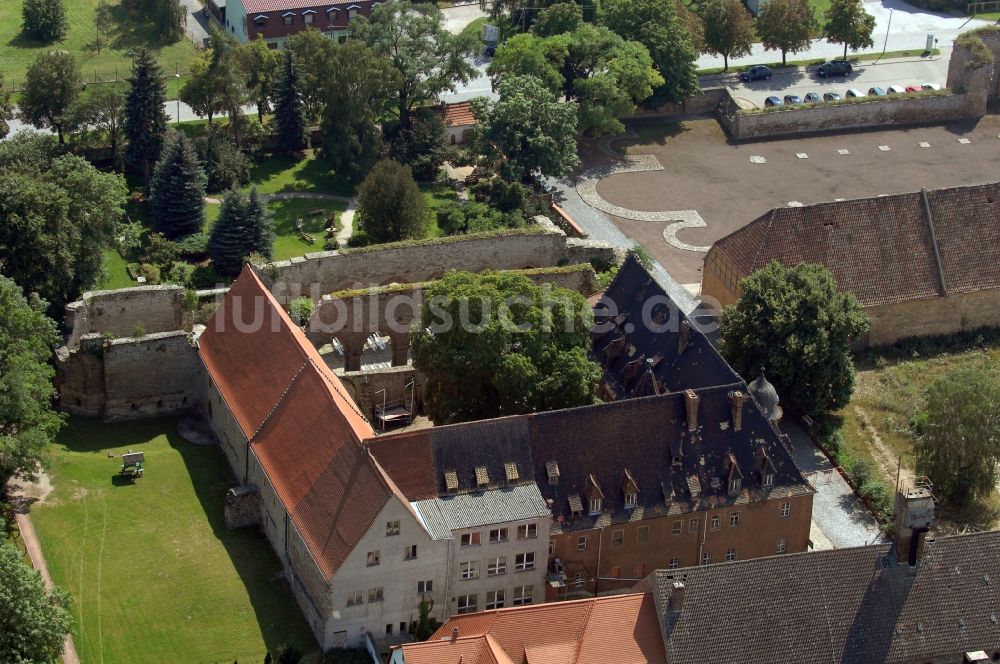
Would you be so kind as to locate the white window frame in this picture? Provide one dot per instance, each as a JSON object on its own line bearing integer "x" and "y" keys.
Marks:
{"x": 674, "y": 563}
{"x": 734, "y": 519}
{"x": 378, "y": 593}
{"x": 782, "y": 545}
{"x": 356, "y": 598}
{"x": 391, "y": 528}
{"x": 497, "y": 566}
{"x": 527, "y": 562}
{"x": 677, "y": 527}
{"x": 768, "y": 479}
{"x": 716, "y": 522}
{"x": 581, "y": 543}
{"x": 618, "y": 537}
{"x": 596, "y": 506}
{"x": 494, "y": 599}
{"x": 631, "y": 500}
{"x": 500, "y": 536}
{"x": 786, "y": 509}
{"x": 410, "y": 553}
{"x": 706, "y": 558}
{"x": 523, "y": 595}
{"x": 731, "y": 553}
{"x": 469, "y": 570}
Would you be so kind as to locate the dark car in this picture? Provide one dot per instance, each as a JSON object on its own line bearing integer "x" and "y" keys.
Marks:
{"x": 773, "y": 101}
{"x": 812, "y": 98}
{"x": 831, "y": 96}
{"x": 835, "y": 68}
{"x": 756, "y": 73}
{"x": 793, "y": 99}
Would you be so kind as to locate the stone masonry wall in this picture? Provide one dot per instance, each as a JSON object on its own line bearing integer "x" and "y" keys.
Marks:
{"x": 935, "y": 316}
{"x": 119, "y": 312}
{"x": 700, "y": 104}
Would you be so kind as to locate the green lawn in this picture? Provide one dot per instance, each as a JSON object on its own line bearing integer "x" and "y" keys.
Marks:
{"x": 287, "y": 243}
{"x": 153, "y": 572}
{"x": 115, "y": 274}
{"x": 277, "y": 173}
{"x": 434, "y": 196}
{"x": 129, "y": 32}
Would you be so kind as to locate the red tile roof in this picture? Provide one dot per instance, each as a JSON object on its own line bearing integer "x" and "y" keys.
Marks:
{"x": 258, "y": 6}
{"x": 459, "y": 115}
{"x": 622, "y": 629}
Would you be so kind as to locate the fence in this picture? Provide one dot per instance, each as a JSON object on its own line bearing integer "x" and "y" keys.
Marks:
{"x": 173, "y": 80}
{"x": 974, "y": 8}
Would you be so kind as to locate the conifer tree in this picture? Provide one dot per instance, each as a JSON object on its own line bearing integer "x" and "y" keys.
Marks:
{"x": 289, "y": 109}
{"x": 145, "y": 119}
{"x": 243, "y": 228}
{"x": 177, "y": 191}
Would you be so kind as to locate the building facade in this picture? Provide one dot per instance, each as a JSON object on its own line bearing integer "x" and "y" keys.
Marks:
{"x": 275, "y": 21}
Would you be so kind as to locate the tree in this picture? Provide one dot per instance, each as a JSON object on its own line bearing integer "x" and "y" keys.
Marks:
{"x": 390, "y": 205}
{"x": 227, "y": 78}
{"x": 794, "y": 322}
{"x": 423, "y": 146}
{"x": 786, "y": 26}
{"x": 425, "y": 625}
{"x": 51, "y": 86}
{"x": 198, "y": 90}
{"x": 289, "y": 109}
{"x": 57, "y": 213}
{"x": 168, "y": 18}
{"x": 312, "y": 52}
{"x": 959, "y": 448}
{"x": 530, "y": 55}
{"x": 260, "y": 65}
{"x": 45, "y": 20}
{"x": 225, "y": 164}
{"x": 362, "y": 88}
{"x": 6, "y": 109}
{"x": 177, "y": 190}
{"x": 28, "y": 422}
{"x": 495, "y": 344}
{"x": 428, "y": 59}
{"x": 656, "y": 25}
{"x": 692, "y": 23}
{"x": 103, "y": 21}
{"x": 243, "y": 228}
{"x": 849, "y": 24}
{"x": 102, "y": 108}
{"x": 34, "y": 622}
{"x": 528, "y": 130}
{"x": 729, "y": 29}
{"x": 558, "y": 19}
{"x": 145, "y": 119}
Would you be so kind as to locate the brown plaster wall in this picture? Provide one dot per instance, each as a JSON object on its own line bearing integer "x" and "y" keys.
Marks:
{"x": 936, "y": 316}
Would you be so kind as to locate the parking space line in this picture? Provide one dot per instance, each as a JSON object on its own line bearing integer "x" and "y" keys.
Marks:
{"x": 757, "y": 159}
{"x": 964, "y": 141}
{"x": 924, "y": 144}
{"x": 801, "y": 155}
{"x": 843, "y": 151}
{"x": 884, "y": 148}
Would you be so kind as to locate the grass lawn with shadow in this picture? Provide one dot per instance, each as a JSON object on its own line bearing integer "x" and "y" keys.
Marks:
{"x": 277, "y": 173}
{"x": 287, "y": 243}
{"x": 154, "y": 574}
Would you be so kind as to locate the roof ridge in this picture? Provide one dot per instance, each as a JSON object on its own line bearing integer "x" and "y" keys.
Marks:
{"x": 578, "y": 646}
{"x": 350, "y": 402}
{"x": 280, "y": 401}
{"x": 763, "y": 238}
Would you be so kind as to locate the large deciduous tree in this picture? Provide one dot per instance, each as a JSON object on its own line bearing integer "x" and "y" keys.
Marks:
{"x": 786, "y": 26}
{"x": 849, "y": 24}
{"x": 313, "y": 54}
{"x": 6, "y": 109}
{"x": 260, "y": 66}
{"x": 959, "y": 447}
{"x": 794, "y": 322}
{"x": 243, "y": 228}
{"x": 101, "y": 108}
{"x": 527, "y": 130}
{"x": 530, "y": 55}
{"x": 45, "y": 20}
{"x": 390, "y": 205}
{"x": 145, "y": 119}
{"x": 729, "y": 29}
{"x": 33, "y": 621}
{"x": 655, "y": 25}
{"x": 423, "y": 147}
{"x": 428, "y": 59}
{"x": 177, "y": 190}
{"x": 558, "y": 19}
{"x": 495, "y": 344}
{"x": 51, "y": 86}
{"x": 27, "y": 420}
{"x": 291, "y": 126}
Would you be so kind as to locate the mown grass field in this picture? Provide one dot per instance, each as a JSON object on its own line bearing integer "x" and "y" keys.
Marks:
{"x": 154, "y": 574}
{"x": 130, "y": 31}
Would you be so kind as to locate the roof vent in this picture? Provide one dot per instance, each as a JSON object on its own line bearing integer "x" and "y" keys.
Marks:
{"x": 736, "y": 399}
{"x": 454, "y": 634}
{"x": 677, "y": 593}
{"x": 552, "y": 470}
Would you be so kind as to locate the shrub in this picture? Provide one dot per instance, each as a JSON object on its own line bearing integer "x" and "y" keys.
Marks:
{"x": 205, "y": 277}
{"x": 301, "y": 310}
{"x": 151, "y": 272}
{"x": 879, "y": 497}
{"x": 45, "y": 20}
{"x": 359, "y": 239}
{"x": 390, "y": 205}
{"x": 860, "y": 473}
{"x": 195, "y": 244}
{"x": 159, "y": 250}
{"x": 225, "y": 165}
{"x": 179, "y": 273}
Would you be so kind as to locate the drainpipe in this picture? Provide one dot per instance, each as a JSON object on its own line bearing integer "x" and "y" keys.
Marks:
{"x": 449, "y": 557}
{"x": 704, "y": 534}
{"x": 597, "y": 572}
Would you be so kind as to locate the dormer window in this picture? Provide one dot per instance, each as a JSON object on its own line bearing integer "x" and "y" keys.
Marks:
{"x": 288, "y": 18}
{"x": 260, "y": 21}
{"x": 768, "y": 479}
{"x": 716, "y": 482}
{"x": 451, "y": 481}
{"x": 596, "y": 504}
{"x": 352, "y": 11}
{"x": 575, "y": 505}
{"x": 332, "y": 14}
{"x": 552, "y": 470}
{"x": 735, "y": 485}
{"x": 631, "y": 490}
{"x": 308, "y": 16}
{"x": 631, "y": 500}
{"x": 482, "y": 476}
{"x": 510, "y": 469}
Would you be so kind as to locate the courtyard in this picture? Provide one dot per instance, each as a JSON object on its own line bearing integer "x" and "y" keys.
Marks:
{"x": 153, "y": 573}
{"x": 704, "y": 173}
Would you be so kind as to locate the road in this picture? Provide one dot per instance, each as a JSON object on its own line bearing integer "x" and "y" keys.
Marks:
{"x": 460, "y": 15}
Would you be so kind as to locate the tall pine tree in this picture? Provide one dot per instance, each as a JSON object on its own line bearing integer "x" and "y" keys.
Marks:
{"x": 145, "y": 119}
{"x": 243, "y": 228}
{"x": 289, "y": 110}
{"x": 177, "y": 191}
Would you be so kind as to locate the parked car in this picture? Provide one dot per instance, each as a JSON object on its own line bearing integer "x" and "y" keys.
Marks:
{"x": 931, "y": 86}
{"x": 914, "y": 88}
{"x": 854, "y": 92}
{"x": 773, "y": 101}
{"x": 756, "y": 73}
{"x": 490, "y": 50}
{"x": 793, "y": 99}
{"x": 896, "y": 90}
{"x": 876, "y": 92}
{"x": 831, "y": 96}
{"x": 812, "y": 97}
{"x": 835, "y": 68}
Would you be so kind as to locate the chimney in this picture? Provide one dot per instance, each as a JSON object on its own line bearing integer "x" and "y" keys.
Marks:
{"x": 682, "y": 339}
{"x": 914, "y": 516}
{"x": 677, "y": 596}
{"x": 454, "y": 635}
{"x": 691, "y": 403}
{"x": 736, "y": 400}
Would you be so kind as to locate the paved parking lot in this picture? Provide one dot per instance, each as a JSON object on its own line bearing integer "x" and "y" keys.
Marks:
{"x": 704, "y": 172}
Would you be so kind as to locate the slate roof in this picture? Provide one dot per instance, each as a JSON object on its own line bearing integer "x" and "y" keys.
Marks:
{"x": 852, "y": 605}
{"x": 650, "y": 346}
{"x": 882, "y": 248}
{"x": 622, "y": 629}
{"x": 471, "y": 510}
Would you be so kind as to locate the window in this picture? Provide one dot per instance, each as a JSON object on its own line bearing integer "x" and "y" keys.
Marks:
{"x": 617, "y": 537}
{"x": 782, "y": 546}
{"x": 497, "y": 566}
{"x": 332, "y": 15}
{"x": 522, "y": 595}
{"x": 527, "y": 531}
{"x": 410, "y": 552}
{"x": 288, "y": 19}
{"x": 715, "y": 522}
{"x": 552, "y": 470}
{"x": 735, "y": 485}
{"x": 352, "y": 12}
{"x": 482, "y": 476}
{"x": 631, "y": 500}
{"x": 467, "y": 604}
{"x": 402, "y": 628}
{"x": 768, "y": 479}
{"x": 786, "y": 509}
{"x": 642, "y": 534}
{"x": 524, "y": 562}
{"x": 706, "y": 558}
{"x": 375, "y": 594}
{"x": 471, "y": 539}
{"x": 595, "y": 505}
{"x": 673, "y": 563}
{"x": 693, "y": 525}
{"x": 581, "y": 543}
{"x": 425, "y": 586}
{"x": 308, "y": 18}
{"x": 731, "y": 553}
{"x": 579, "y": 580}
{"x": 734, "y": 519}
{"x": 469, "y": 569}
{"x": 552, "y": 546}
{"x": 259, "y": 21}
{"x": 676, "y": 527}
{"x": 498, "y": 535}
{"x": 391, "y": 528}
{"x": 373, "y": 557}
{"x": 494, "y": 599}
{"x": 388, "y": 628}
{"x": 510, "y": 469}
{"x": 355, "y": 598}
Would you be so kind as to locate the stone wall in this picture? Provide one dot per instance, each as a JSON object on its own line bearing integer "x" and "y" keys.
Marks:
{"x": 365, "y": 388}
{"x": 964, "y": 64}
{"x": 242, "y": 507}
{"x": 932, "y": 317}
{"x": 700, "y": 104}
{"x": 119, "y": 312}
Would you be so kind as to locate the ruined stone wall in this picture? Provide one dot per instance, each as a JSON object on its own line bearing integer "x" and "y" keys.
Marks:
{"x": 365, "y": 388}
{"x": 973, "y": 69}
{"x": 120, "y": 312}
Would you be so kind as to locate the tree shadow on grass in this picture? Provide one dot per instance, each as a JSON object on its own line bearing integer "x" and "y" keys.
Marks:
{"x": 133, "y": 29}
{"x": 312, "y": 176}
